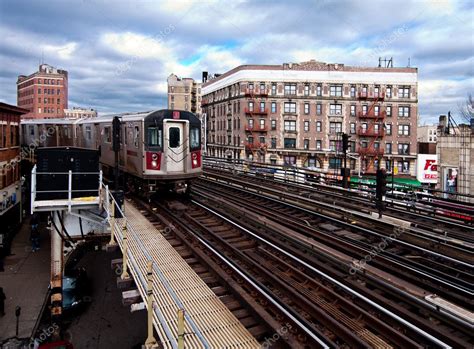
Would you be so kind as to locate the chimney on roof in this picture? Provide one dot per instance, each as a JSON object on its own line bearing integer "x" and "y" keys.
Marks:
{"x": 204, "y": 76}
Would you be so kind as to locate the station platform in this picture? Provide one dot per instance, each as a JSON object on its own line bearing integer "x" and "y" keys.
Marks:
{"x": 208, "y": 322}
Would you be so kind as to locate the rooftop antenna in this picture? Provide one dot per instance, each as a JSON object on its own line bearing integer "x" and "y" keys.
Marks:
{"x": 387, "y": 63}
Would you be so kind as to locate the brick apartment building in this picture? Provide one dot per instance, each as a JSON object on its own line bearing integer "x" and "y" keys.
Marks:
{"x": 184, "y": 94}
{"x": 10, "y": 187}
{"x": 295, "y": 114}
{"x": 44, "y": 93}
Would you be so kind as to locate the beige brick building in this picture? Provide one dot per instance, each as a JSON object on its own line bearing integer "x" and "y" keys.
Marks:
{"x": 427, "y": 133}
{"x": 295, "y": 114}
{"x": 184, "y": 94}
{"x": 80, "y": 113}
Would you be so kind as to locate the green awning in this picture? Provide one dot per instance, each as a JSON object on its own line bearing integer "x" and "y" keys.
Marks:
{"x": 397, "y": 181}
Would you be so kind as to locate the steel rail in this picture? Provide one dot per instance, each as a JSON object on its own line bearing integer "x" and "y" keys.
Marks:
{"x": 328, "y": 277}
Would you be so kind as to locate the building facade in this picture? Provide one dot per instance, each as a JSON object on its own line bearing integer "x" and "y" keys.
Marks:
{"x": 44, "y": 93}
{"x": 427, "y": 133}
{"x": 80, "y": 113}
{"x": 294, "y": 114}
{"x": 455, "y": 151}
{"x": 184, "y": 94}
{"x": 10, "y": 184}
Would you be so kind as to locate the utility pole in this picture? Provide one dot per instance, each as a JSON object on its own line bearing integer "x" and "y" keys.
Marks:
{"x": 116, "y": 124}
{"x": 345, "y": 172}
{"x": 380, "y": 190}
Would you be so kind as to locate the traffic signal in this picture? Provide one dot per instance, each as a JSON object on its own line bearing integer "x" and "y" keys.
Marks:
{"x": 116, "y": 134}
{"x": 345, "y": 142}
{"x": 381, "y": 187}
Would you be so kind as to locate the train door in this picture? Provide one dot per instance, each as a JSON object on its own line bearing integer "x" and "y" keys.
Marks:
{"x": 175, "y": 146}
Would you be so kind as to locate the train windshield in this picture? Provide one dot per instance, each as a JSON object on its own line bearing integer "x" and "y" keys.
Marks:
{"x": 194, "y": 138}
{"x": 155, "y": 136}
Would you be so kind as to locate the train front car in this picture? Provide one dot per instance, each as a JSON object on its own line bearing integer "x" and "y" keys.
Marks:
{"x": 172, "y": 149}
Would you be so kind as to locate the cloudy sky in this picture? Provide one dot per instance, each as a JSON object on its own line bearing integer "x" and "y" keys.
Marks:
{"x": 119, "y": 53}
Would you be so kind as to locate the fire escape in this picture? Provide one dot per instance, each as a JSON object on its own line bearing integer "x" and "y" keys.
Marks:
{"x": 373, "y": 130}
{"x": 254, "y": 112}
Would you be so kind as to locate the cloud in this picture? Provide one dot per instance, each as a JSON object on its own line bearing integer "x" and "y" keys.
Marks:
{"x": 119, "y": 54}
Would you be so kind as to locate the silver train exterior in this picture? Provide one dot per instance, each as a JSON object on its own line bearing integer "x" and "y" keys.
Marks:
{"x": 158, "y": 149}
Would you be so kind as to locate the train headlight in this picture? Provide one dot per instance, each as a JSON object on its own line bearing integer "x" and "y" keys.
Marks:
{"x": 154, "y": 163}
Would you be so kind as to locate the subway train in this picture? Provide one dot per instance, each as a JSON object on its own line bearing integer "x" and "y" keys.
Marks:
{"x": 158, "y": 149}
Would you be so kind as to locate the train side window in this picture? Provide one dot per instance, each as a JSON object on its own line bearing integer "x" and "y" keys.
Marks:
{"x": 107, "y": 134}
{"x": 194, "y": 137}
{"x": 136, "y": 136}
{"x": 174, "y": 140}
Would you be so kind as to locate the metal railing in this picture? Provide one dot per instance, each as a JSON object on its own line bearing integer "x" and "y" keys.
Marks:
{"x": 124, "y": 234}
{"x": 70, "y": 191}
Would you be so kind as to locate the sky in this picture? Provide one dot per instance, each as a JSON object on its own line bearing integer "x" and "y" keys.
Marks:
{"x": 119, "y": 53}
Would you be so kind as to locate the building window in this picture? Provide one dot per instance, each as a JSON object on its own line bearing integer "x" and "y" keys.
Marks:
{"x": 353, "y": 128}
{"x": 290, "y": 107}
{"x": 261, "y": 139}
{"x": 39, "y": 91}
{"x": 335, "y": 127}
{"x": 388, "y": 148}
{"x": 290, "y": 89}
{"x": 318, "y": 144}
{"x": 273, "y": 124}
{"x": 388, "y": 91}
{"x": 306, "y": 144}
{"x": 403, "y": 130}
{"x": 250, "y": 106}
{"x": 404, "y": 166}
{"x": 376, "y": 110}
{"x": 39, "y": 110}
{"x": 306, "y": 90}
{"x": 404, "y": 112}
{"x": 319, "y": 109}
{"x": 262, "y": 87}
{"x": 318, "y": 126}
{"x": 273, "y": 144}
{"x": 388, "y": 128}
{"x": 274, "y": 107}
{"x": 319, "y": 90}
{"x": 306, "y": 108}
{"x": 404, "y": 148}
{"x": 262, "y": 107}
{"x": 306, "y": 126}
{"x": 290, "y": 143}
{"x": 389, "y": 110}
{"x": 58, "y": 92}
{"x": 334, "y": 163}
{"x": 352, "y": 146}
{"x": 353, "y": 91}
{"x": 290, "y": 126}
{"x": 274, "y": 89}
{"x": 335, "y": 90}
{"x": 353, "y": 110}
{"x": 388, "y": 165}
{"x": 376, "y": 91}
{"x": 403, "y": 92}
{"x": 250, "y": 87}
{"x": 335, "y": 109}
{"x": 364, "y": 110}
{"x": 289, "y": 160}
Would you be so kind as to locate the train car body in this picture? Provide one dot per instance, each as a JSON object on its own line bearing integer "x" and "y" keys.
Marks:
{"x": 158, "y": 149}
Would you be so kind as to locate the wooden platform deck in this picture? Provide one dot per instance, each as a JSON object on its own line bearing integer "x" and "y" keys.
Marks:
{"x": 208, "y": 322}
